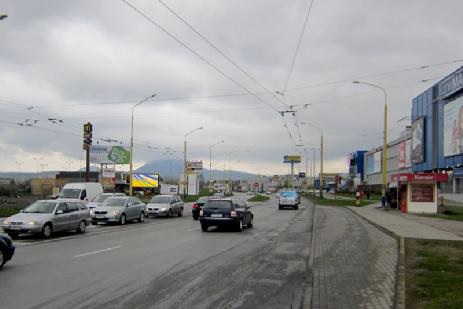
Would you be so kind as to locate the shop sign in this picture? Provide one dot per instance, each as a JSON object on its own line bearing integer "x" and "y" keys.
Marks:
{"x": 451, "y": 84}
{"x": 421, "y": 177}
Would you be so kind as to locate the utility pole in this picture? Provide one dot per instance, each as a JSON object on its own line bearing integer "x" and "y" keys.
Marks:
{"x": 88, "y": 129}
{"x": 19, "y": 169}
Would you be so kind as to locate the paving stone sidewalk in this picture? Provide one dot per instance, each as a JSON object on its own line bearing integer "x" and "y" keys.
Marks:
{"x": 354, "y": 262}
{"x": 411, "y": 226}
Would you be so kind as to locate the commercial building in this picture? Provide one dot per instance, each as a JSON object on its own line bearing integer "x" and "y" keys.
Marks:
{"x": 437, "y": 131}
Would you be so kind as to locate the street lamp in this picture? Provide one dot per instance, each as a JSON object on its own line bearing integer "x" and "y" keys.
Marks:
{"x": 384, "y": 157}
{"x": 184, "y": 160}
{"x": 321, "y": 154}
{"x": 210, "y": 160}
{"x": 131, "y": 140}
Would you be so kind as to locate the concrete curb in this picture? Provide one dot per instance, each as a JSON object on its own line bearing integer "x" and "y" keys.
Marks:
{"x": 308, "y": 285}
{"x": 399, "y": 297}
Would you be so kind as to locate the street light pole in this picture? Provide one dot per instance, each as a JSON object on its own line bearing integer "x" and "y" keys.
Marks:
{"x": 131, "y": 140}
{"x": 210, "y": 160}
{"x": 384, "y": 156}
{"x": 321, "y": 154}
{"x": 184, "y": 161}
{"x": 19, "y": 169}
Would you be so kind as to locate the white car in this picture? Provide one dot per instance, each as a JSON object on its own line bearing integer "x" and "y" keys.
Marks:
{"x": 101, "y": 198}
{"x": 288, "y": 199}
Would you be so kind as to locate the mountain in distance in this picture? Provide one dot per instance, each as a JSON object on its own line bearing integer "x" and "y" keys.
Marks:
{"x": 174, "y": 168}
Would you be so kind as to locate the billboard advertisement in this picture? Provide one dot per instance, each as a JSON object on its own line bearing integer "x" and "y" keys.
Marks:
{"x": 145, "y": 180}
{"x": 377, "y": 162}
{"x": 418, "y": 141}
{"x": 453, "y": 127}
{"x": 106, "y": 154}
{"x": 408, "y": 153}
{"x": 292, "y": 159}
{"x": 401, "y": 163}
{"x": 194, "y": 165}
{"x": 370, "y": 164}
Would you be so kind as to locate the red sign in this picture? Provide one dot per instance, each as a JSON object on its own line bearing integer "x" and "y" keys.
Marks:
{"x": 402, "y": 155}
{"x": 421, "y": 177}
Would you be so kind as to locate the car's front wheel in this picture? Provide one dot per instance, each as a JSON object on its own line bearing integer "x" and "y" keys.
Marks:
{"x": 122, "y": 219}
{"x": 180, "y": 213}
{"x": 204, "y": 227}
{"x": 13, "y": 235}
{"x": 142, "y": 217}
{"x": 47, "y": 230}
{"x": 82, "y": 227}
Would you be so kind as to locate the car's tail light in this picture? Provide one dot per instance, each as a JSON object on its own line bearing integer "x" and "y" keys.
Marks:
{"x": 233, "y": 214}
{"x": 201, "y": 213}
{"x": 195, "y": 206}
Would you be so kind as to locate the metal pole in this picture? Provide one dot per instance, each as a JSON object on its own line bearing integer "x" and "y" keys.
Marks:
{"x": 131, "y": 153}
{"x": 184, "y": 169}
{"x": 384, "y": 167}
{"x": 321, "y": 166}
{"x": 87, "y": 163}
{"x": 210, "y": 165}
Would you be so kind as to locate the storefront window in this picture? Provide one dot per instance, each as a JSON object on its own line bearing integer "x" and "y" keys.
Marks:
{"x": 422, "y": 193}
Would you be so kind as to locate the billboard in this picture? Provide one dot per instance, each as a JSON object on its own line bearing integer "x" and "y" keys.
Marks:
{"x": 108, "y": 172}
{"x": 145, "y": 180}
{"x": 418, "y": 141}
{"x": 106, "y": 154}
{"x": 453, "y": 127}
{"x": 408, "y": 153}
{"x": 401, "y": 160}
{"x": 194, "y": 165}
{"x": 404, "y": 154}
{"x": 377, "y": 162}
{"x": 369, "y": 164}
{"x": 292, "y": 159}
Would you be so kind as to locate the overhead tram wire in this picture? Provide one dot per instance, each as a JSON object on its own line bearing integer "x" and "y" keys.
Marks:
{"x": 298, "y": 46}
{"x": 12, "y": 104}
{"x": 221, "y": 52}
{"x": 150, "y": 20}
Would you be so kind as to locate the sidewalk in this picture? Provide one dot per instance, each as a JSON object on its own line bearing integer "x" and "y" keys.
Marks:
{"x": 411, "y": 226}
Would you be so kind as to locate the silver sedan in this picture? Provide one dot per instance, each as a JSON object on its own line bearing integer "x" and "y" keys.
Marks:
{"x": 48, "y": 216}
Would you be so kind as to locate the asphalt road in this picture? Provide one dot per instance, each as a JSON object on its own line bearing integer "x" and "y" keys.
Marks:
{"x": 165, "y": 263}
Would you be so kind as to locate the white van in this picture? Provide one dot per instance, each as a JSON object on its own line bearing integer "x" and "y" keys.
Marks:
{"x": 80, "y": 191}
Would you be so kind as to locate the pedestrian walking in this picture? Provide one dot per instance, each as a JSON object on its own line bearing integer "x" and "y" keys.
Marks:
{"x": 383, "y": 201}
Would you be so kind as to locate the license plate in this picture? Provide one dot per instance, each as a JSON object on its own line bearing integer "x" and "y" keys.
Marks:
{"x": 216, "y": 215}
{"x": 99, "y": 216}
{"x": 15, "y": 227}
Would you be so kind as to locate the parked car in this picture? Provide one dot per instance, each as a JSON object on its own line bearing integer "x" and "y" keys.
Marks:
{"x": 48, "y": 216}
{"x": 80, "y": 191}
{"x": 97, "y": 200}
{"x": 221, "y": 212}
{"x": 165, "y": 205}
{"x": 119, "y": 209}
{"x": 288, "y": 199}
{"x": 197, "y": 206}
{"x": 6, "y": 249}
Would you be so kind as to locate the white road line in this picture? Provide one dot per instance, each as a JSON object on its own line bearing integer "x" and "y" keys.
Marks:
{"x": 95, "y": 252}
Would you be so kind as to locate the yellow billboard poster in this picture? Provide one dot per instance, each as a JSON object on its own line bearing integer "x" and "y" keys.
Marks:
{"x": 145, "y": 180}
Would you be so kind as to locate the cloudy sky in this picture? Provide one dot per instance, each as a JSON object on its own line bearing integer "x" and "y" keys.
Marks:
{"x": 80, "y": 61}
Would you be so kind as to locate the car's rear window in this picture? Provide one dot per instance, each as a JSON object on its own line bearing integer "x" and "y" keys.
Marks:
{"x": 288, "y": 194}
{"x": 218, "y": 204}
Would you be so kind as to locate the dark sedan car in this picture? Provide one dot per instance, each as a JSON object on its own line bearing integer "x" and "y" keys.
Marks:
{"x": 197, "y": 206}
{"x": 226, "y": 212}
{"x": 6, "y": 249}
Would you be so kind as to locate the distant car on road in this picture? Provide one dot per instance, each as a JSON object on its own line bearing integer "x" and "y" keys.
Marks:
{"x": 119, "y": 209}
{"x": 288, "y": 199}
{"x": 101, "y": 198}
{"x": 6, "y": 249}
{"x": 198, "y": 205}
{"x": 165, "y": 205}
{"x": 48, "y": 216}
{"x": 231, "y": 212}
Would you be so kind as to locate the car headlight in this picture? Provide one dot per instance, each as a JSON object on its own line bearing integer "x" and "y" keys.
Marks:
{"x": 92, "y": 212}
{"x": 116, "y": 212}
{"x": 6, "y": 221}
{"x": 163, "y": 209}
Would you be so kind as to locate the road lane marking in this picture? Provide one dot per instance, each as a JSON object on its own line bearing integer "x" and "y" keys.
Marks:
{"x": 96, "y": 252}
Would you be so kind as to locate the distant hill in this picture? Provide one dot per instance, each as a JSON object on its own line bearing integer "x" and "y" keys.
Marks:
{"x": 174, "y": 168}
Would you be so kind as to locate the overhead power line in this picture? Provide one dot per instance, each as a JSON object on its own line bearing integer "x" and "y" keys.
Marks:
{"x": 221, "y": 52}
{"x": 154, "y": 23}
{"x": 298, "y": 46}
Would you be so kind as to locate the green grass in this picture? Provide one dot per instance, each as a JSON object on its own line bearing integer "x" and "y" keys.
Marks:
{"x": 434, "y": 274}
{"x": 6, "y": 211}
{"x": 449, "y": 213}
{"x": 329, "y": 202}
{"x": 259, "y": 198}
